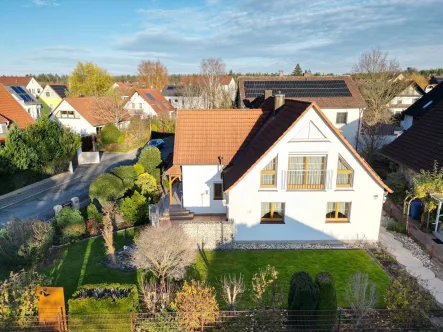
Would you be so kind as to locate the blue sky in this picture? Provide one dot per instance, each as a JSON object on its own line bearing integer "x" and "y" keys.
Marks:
{"x": 249, "y": 35}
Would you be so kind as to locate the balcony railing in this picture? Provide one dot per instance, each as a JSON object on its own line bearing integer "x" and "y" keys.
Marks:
{"x": 307, "y": 180}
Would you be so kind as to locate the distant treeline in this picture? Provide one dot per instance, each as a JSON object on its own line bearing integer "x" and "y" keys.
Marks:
{"x": 426, "y": 72}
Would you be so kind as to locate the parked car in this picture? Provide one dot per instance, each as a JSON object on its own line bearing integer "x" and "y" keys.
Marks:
{"x": 157, "y": 143}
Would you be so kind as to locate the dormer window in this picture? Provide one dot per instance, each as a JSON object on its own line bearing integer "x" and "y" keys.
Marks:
{"x": 268, "y": 175}
{"x": 344, "y": 173}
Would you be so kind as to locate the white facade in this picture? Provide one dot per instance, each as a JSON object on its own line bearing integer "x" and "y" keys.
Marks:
{"x": 353, "y": 118}
{"x": 34, "y": 87}
{"x": 137, "y": 105}
{"x": 75, "y": 121}
{"x": 305, "y": 210}
{"x": 405, "y": 99}
{"x": 32, "y": 109}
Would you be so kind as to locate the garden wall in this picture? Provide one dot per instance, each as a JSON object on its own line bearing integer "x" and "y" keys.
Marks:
{"x": 208, "y": 235}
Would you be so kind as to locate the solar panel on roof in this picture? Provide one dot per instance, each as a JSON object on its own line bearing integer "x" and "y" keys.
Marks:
{"x": 170, "y": 88}
{"x": 23, "y": 94}
{"x": 293, "y": 89}
{"x": 60, "y": 90}
{"x": 150, "y": 96}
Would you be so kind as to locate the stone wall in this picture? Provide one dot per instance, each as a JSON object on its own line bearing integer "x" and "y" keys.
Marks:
{"x": 209, "y": 235}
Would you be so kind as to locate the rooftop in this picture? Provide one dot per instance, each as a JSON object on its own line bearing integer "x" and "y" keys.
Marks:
{"x": 15, "y": 80}
{"x": 155, "y": 99}
{"x": 60, "y": 89}
{"x": 12, "y": 111}
{"x": 426, "y": 103}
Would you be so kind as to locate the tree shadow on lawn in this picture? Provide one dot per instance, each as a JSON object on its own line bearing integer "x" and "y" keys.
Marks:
{"x": 80, "y": 264}
{"x": 212, "y": 265}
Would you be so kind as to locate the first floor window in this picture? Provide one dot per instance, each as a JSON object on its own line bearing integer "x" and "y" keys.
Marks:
{"x": 338, "y": 211}
{"x": 268, "y": 174}
{"x": 218, "y": 191}
{"x": 342, "y": 118}
{"x": 344, "y": 173}
{"x": 272, "y": 212}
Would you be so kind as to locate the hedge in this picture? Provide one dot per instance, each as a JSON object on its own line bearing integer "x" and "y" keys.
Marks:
{"x": 83, "y": 302}
{"x": 151, "y": 160}
{"x": 127, "y": 174}
{"x": 109, "y": 134}
{"x": 106, "y": 187}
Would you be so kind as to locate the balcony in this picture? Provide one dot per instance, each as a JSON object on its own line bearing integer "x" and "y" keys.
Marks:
{"x": 306, "y": 180}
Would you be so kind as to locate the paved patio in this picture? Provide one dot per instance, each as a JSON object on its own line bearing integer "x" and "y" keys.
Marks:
{"x": 414, "y": 266}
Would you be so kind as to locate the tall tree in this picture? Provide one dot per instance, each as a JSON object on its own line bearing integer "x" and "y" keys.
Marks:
{"x": 110, "y": 107}
{"x": 212, "y": 72}
{"x": 297, "y": 71}
{"x": 378, "y": 84}
{"x": 152, "y": 75}
{"x": 88, "y": 79}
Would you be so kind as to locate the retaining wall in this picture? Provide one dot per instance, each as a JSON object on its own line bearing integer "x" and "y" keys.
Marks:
{"x": 208, "y": 235}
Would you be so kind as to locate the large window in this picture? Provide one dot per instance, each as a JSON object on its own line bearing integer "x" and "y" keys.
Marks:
{"x": 344, "y": 173}
{"x": 338, "y": 212}
{"x": 68, "y": 115}
{"x": 218, "y": 191}
{"x": 342, "y": 118}
{"x": 306, "y": 172}
{"x": 268, "y": 175}
{"x": 272, "y": 212}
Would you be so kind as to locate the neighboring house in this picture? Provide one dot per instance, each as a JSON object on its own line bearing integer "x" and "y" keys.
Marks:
{"x": 52, "y": 95}
{"x": 420, "y": 146}
{"x": 125, "y": 89}
{"x": 435, "y": 79}
{"x": 406, "y": 98}
{"x": 429, "y": 87}
{"x": 148, "y": 102}
{"x": 11, "y": 112}
{"x": 81, "y": 116}
{"x": 181, "y": 97}
{"x": 29, "y": 82}
{"x": 338, "y": 97}
{"x": 422, "y": 106}
{"x": 29, "y": 103}
{"x": 280, "y": 173}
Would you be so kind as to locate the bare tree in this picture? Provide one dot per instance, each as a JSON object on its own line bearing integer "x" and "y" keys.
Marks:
{"x": 191, "y": 95}
{"x": 152, "y": 75}
{"x": 109, "y": 107}
{"x": 155, "y": 298}
{"x": 361, "y": 295}
{"x": 232, "y": 287}
{"x": 378, "y": 84}
{"x": 110, "y": 211}
{"x": 164, "y": 251}
{"x": 212, "y": 72}
{"x": 370, "y": 141}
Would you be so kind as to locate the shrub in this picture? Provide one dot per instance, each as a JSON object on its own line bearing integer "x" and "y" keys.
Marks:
{"x": 147, "y": 184}
{"x": 261, "y": 282}
{"x": 93, "y": 213}
{"x": 327, "y": 301}
{"x": 106, "y": 188}
{"x": 92, "y": 227}
{"x": 361, "y": 295}
{"x": 135, "y": 209}
{"x": 303, "y": 295}
{"x": 121, "y": 139}
{"x": 24, "y": 243}
{"x": 406, "y": 299}
{"x": 66, "y": 217}
{"x": 396, "y": 227}
{"x": 151, "y": 160}
{"x": 397, "y": 182}
{"x": 127, "y": 174}
{"x": 109, "y": 134}
{"x": 139, "y": 169}
{"x": 196, "y": 305}
{"x": 73, "y": 232}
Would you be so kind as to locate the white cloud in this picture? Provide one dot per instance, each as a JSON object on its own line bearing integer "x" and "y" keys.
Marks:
{"x": 41, "y": 3}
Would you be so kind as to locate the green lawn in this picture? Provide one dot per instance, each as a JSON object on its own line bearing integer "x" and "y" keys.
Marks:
{"x": 211, "y": 266}
{"x": 79, "y": 264}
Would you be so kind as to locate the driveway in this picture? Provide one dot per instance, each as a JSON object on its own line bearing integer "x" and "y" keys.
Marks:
{"x": 38, "y": 200}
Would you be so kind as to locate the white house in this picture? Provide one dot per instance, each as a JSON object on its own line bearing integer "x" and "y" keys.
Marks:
{"x": 125, "y": 89}
{"x": 338, "y": 97}
{"x": 148, "y": 102}
{"x": 285, "y": 174}
{"x": 81, "y": 115}
{"x": 27, "y": 100}
{"x": 29, "y": 82}
{"x": 183, "y": 97}
{"x": 406, "y": 98}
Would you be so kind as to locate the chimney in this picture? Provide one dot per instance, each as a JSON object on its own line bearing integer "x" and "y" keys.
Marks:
{"x": 268, "y": 93}
{"x": 279, "y": 101}
{"x": 280, "y": 73}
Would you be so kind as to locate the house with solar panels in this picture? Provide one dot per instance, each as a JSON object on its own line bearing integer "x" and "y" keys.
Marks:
{"x": 29, "y": 82}
{"x": 148, "y": 102}
{"x": 51, "y": 96}
{"x": 338, "y": 97}
{"x": 25, "y": 98}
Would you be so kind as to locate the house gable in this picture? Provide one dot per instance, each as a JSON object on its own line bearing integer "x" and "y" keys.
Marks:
{"x": 309, "y": 132}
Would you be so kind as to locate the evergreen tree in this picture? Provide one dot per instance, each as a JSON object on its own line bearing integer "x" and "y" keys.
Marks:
{"x": 297, "y": 71}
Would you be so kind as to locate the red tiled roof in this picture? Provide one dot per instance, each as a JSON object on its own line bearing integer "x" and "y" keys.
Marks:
{"x": 2, "y": 119}
{"x": 160, "y": 104}
{"x": 201, "y": 136}
{"x": 192, "y": 79}
{"x": 12, "y": 111}
{"x": 15, "y": 80}
{"x": 354, "y": 101}
{"x": 87, "y": 109}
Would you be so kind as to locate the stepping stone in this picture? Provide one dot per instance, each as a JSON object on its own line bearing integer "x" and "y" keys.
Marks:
{"x": 421, "y": 273}
{"x": 435, "y": 286}
{"x": 402, "y": 252}
{"x": 409, "y": 261}
{"x": 439, "y": 297}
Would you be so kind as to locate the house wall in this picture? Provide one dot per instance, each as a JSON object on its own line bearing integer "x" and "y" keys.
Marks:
{"x": 139, "y": 101}
{"x": 305, "y": 210}
{"x": 405, "y": 99}
{"x": 53, "y": 100}
{"x": 80, "y": 125}
{"x": 180, "y": 102}
{"x": 350, "y": 129}
{"x": 33, "y": 109}
{"x": 34, "y": 87}
{"x": 197, "y": 186}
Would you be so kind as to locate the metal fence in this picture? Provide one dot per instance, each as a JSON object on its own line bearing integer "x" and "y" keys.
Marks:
{"x": 251, "y": 320}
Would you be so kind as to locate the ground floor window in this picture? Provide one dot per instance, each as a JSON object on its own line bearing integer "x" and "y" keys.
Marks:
{"x": 272, "y": 212}
{"x": 218, "y": 191}
{"x": 338, "y": 212}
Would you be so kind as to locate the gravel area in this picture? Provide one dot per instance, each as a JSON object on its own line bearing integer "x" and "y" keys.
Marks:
{"x": 290, "y": 246}
{"x": 416, "y": 250}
